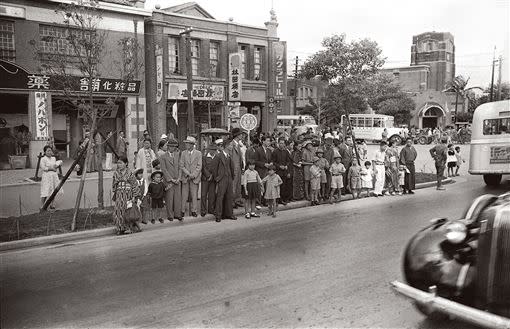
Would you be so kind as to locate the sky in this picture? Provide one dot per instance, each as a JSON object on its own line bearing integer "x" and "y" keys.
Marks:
{"x": 477, "y": 26}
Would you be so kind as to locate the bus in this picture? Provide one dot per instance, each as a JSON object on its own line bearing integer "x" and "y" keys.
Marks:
{"x": 490, "y": 142}
{"x": 370, "y": 127}
{"x": 301, "y": 122}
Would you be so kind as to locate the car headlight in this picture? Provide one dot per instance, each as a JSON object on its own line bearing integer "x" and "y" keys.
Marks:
{"x": 456, "y": 232}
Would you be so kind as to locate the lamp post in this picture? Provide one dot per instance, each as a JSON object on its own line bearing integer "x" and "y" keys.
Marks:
{"x": 189, "y": 77}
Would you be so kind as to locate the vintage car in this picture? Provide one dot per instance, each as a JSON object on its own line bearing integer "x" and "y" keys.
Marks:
{"x": 461, "y": 268}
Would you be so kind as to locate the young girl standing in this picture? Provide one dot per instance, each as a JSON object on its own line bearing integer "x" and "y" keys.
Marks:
{"x": 315, "y": 181}
{"x": 251, "y": 184}
{"x": 367, "y": 178}
{"x": 451, "y": 160}
{"x": 156, "y": 191}
{"x": 272, "y": 191}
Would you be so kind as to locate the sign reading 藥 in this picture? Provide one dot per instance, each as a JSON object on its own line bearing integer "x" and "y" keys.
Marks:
{"x": 234, "y": 77}
{"x": 280, "y": 64}
{"x": 200, "y": 92}
{"x": 41, "y": 115}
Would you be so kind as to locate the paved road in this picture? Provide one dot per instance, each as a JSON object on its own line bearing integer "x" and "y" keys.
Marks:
{"x": 320, "y": 266}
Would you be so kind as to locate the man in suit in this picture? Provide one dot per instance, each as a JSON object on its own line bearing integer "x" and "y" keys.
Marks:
{"x": 237, "y": 160}
{"x": 223, "y": 172}
{"x": 169, "y": 163}
{"x": 263, "y": 157}
{"x": 283, "y": 163}
{"x": 191, "y": 171}
{"x": 208, "y": 195}
{"x": 347, "y": 153}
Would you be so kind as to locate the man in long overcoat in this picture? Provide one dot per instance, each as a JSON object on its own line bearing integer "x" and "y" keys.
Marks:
{"x": 172, "y": 176}
{"x": 191, "y": 167}
{"x": 223, "y": 172}
{"x": 208, "y": 192}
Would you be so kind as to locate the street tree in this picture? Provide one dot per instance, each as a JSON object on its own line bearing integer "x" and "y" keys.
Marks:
{"x": 80, "y": 59}
{"x": 399, "y": 106}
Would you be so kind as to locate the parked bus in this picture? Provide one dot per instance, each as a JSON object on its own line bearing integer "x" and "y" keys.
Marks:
{"x": 490, "y": 142}
{"x": 370, "y": 127}
{"x": 301, "y": 122}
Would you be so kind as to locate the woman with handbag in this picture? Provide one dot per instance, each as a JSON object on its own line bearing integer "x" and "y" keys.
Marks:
{"x": 125, "y": 192}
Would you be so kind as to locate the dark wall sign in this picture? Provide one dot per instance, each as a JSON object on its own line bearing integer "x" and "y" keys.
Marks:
{"x": 13, "y": 76}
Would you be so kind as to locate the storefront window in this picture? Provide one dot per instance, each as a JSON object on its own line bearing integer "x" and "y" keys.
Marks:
{"x": 213, "y": 58}
{"x": 7, "y": 50}
{"x": 257, "y": 63}
{"x": 173, "y": 55}
{"x": 195, "y": 56}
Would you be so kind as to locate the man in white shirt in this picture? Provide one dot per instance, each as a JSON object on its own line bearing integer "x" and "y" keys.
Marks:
{"x": 379, "y": 169}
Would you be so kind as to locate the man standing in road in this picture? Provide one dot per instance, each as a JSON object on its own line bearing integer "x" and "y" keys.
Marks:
{"x": 172, "y": 176}
{"x": 379, "y": 168}
{"x": 408, "y": 155}
{"x": 439, "y": 154}
{"x": 223, "y": 171}
{"x": 208, "y": 193}
{"x": 237, "y": 160}
{"x": 283, "y": 163}
{"x": 191, "y": 167}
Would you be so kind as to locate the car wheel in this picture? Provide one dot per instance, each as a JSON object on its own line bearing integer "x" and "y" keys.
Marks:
{"x": 492, "y": 179}
{"x": 396, "y": 139}
{"x": 422, "y": 140}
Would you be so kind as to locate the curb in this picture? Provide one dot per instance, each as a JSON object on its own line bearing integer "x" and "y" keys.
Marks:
{"x": 109, "y": 231}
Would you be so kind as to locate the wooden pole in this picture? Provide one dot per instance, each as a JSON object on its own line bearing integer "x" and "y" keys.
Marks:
{"x": 36, "y": 177}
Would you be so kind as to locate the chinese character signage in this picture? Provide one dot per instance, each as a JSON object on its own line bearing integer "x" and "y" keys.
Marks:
{"x": 41, "y": 115}
{"x": 201, "y": 92}
{"x": 159, "y": 73}
{"x": 13, "y": 76}
{"x": 280, "y": 69}
{"x": 234, "y": 77}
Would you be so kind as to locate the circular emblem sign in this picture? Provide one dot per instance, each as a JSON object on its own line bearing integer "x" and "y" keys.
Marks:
{"x": 248, "y": 121}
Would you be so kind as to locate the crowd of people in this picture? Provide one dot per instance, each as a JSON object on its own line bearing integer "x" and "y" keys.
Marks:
{"x": 272, "y": 170}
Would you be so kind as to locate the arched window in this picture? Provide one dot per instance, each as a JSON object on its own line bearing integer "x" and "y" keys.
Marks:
{"x": 432, "y": 112}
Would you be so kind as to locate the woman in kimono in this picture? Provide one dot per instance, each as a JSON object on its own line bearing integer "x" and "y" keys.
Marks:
{"x": 125, "y": 189}
{"x": 49, "y": 180}
{"x": 298, "y": 179}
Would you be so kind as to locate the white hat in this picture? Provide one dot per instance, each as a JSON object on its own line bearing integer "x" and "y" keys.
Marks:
{"x": 164, "y": 136}
{"x": 218, "y": 141}
{"x": 190, "y": 139}
{"x": 328, "y": 135}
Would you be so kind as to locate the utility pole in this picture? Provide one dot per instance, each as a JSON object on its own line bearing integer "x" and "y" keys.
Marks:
{"x": 498, "y": 97}
{"x": 492, "y": 77}
{"x": 295, "y": 85}
{"x": 137, "y": 102}
{"x": 189, "y": 78}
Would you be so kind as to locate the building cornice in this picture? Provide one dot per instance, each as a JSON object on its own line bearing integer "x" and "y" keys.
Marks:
{"x": 114, "y": 8}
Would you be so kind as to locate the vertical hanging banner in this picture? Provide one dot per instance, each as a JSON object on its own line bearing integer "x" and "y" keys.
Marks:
{"x": 280, "y": 69}
{"x": 41, "y": 116}
{"x": 159, "y": 73}
{"x": 234, "y": 77}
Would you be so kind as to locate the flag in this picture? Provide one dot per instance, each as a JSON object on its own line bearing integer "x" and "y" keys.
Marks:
{"x": 174, "y": 113}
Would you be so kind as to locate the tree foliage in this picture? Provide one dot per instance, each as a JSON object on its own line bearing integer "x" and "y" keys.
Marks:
{"x": 477, "y": 100}
{"x": 399, "y": 106}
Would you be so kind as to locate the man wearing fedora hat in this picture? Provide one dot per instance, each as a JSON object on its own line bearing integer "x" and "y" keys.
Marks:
{"x": 223, "y": 171}
{"x": 191, "y": 171}
{"x": 237, "y": 161}
{"x": 172, "y": 176}
{"x": 208, "y": 192}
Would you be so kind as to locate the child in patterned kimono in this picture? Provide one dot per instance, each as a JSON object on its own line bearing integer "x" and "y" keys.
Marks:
{"x": 156, "y": 191}
{"x": 272, "y": 191}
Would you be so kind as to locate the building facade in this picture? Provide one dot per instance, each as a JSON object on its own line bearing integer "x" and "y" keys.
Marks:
{"x": 258, "y": 85}
{"x": 302, "y": 92}
{"x": 432, "y": 68}
{"x": 33, "y": 105}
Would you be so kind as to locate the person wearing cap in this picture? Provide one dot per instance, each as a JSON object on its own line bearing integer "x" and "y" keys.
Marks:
{"x": 191, "y": 171}
{"x": 156, "y": 191}
{"x": 337, "y": 171}
{"x": 223, "y": 172}
{"x": 315, "y": 181}
{"x": 164, "y": 137}
{"x": 169, "y": 163}
{"x": 323, "y": 166}
{"x": 208, "y": 189}
{"x": 283, "y": 164}
{"x": 307, "y": 162}
{"x": 237, "y": 160}
{"x": 144, "y": 159}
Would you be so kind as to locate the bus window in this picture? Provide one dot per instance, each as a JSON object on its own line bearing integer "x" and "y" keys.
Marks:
{"x": 378, "y": 122}
{"x": 369, "y": 122}
{"x": 353, "y": 122}
{"x": 361, "y": 122}
{"x": 496, "y": 126}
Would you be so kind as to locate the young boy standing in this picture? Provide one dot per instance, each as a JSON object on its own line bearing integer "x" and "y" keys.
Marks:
{"x": 460, "y": 159}
{"x": 337, "y": 180}
{"x": 354, "y": 178}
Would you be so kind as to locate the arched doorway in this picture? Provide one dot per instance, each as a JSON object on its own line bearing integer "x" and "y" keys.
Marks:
{"x": 432, "y": 117}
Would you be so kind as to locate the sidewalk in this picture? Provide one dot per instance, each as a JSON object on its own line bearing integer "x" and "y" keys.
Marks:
{"x": 110, "y": 231}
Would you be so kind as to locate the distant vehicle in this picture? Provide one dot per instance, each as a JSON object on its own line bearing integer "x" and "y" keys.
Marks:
{"x": 490, "y": 142}
{"x": 370, "y": 127}
{"x": 301, "y": 122}
{"x": 461, "y": 267}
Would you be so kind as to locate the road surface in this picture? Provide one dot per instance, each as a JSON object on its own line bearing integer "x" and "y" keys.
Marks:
{"x": 325, "y": 266}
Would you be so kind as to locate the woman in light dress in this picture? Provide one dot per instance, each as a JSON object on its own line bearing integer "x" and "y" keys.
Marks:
{"x": 49, "y": 180}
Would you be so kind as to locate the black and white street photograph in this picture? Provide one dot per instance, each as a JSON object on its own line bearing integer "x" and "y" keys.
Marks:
{"x": 255, "y": 164}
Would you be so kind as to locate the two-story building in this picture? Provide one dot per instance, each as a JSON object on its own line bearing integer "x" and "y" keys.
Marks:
{"x": 261, "y": 67}
{"x": 31, "y": 103}
{"x": 302, "y": 92}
